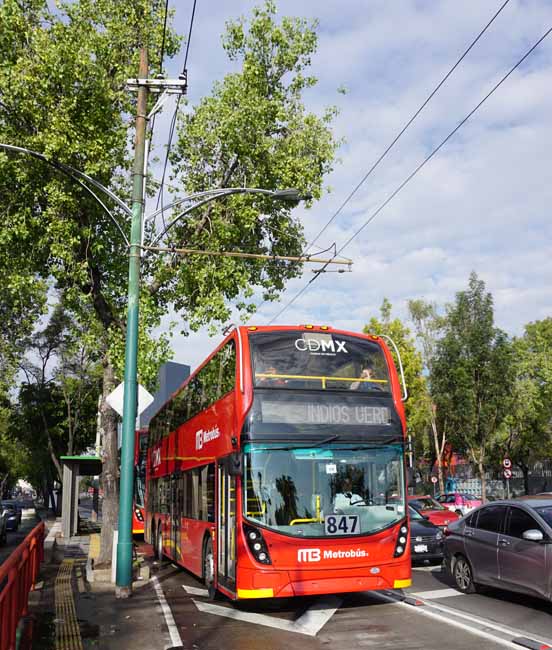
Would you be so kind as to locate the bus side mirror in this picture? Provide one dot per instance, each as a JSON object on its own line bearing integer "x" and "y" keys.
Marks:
{"x": 410, "y": 482}
{"x": 234, "y": 464}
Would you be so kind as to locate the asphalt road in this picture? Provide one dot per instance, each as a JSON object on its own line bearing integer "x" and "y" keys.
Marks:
{"x": 431, "y": 615}
{"x": 28, "y": 521}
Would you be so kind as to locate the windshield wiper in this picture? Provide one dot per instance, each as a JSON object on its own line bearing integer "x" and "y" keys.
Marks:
{"x": 325, "y": 441}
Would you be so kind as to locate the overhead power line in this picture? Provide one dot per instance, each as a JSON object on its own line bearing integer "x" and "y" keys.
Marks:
{"x": 175, "y": 113}
{"x": 418, "y": 168}
{"x": 398, "y": 136}
{"x": 406, "y": 126}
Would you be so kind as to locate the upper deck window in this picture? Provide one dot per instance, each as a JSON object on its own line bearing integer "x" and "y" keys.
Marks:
{"x": 317, "y": 361}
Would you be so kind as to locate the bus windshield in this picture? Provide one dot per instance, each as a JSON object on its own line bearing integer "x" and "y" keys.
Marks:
{"x": 318, "y": 360}
{"x": 294, "y": 489}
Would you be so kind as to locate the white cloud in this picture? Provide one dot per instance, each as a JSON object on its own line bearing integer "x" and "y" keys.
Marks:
{"x": 481, "y": 204}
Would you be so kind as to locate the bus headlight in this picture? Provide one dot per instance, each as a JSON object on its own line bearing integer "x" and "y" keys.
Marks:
{"x": 402, "y": 538}
{"x": 256, "y": 544}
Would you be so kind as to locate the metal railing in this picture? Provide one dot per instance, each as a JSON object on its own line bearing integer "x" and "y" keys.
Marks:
{"x": 17, "y": 577}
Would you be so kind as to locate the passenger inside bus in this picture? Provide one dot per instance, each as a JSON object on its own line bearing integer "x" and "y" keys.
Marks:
{"x": 367, "y": 374}
{"x": 263, "y": 380}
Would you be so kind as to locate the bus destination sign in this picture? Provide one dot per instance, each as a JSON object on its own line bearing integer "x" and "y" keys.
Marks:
{"x": 316, "y": 413}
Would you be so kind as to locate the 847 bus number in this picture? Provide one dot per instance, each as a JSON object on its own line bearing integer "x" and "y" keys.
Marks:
{"x": 341, "y": 525}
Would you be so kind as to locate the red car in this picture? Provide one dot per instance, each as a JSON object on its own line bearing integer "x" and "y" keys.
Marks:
{"x": 436, "y": 513}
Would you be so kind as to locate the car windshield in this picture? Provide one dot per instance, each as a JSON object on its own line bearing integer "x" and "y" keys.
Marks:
{"x": 292, "y": 488}
{"x": 546, "y": 514}
{"x": 427, "y": 503}
{"x": 318, "y": 361}
{"x": 413, "y": 513}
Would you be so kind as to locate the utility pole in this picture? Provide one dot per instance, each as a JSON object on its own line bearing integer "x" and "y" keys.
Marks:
{"x": 124, "y": 540}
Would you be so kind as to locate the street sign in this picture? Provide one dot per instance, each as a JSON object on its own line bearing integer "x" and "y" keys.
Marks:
{"x": 115, "y": 399}
{"x": 434, "y": 479}
{"x": 507, "y": 463}
{"x": 507, "y": 473}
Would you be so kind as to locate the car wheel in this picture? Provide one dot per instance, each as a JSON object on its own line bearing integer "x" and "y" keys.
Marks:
{"x": 463, "y": 575}
{"x": 209, "y": 569}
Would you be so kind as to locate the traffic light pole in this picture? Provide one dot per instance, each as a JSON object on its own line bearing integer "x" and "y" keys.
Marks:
{"x": 124, "y": 540}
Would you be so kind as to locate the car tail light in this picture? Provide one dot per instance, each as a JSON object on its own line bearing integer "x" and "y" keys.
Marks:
{"x": 402, "y": 540}
{"x": 256, "y": 544}
{"x": 138, "y": 514}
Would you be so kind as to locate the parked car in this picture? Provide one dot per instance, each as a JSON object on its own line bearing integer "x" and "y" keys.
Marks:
{"x": 3, "y": 526}
{"x": 459, "y": 502}
{"x": 12, "y": 516}
{"x": 436, "y": 513}
{"x": 13, "y": 504}
{"x": 426, "y": 539}
{"x": 504, "y": 544}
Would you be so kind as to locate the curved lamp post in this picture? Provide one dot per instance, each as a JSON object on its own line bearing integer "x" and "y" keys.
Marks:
{"x": 124, "y": 541}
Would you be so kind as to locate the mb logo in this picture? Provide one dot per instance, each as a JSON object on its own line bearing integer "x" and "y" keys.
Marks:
{"x": 199, "y": 439}
{"x": 308, "y": 555}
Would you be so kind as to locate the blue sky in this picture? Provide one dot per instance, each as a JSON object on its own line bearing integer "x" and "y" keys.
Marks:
{"x": 483, "y": 203}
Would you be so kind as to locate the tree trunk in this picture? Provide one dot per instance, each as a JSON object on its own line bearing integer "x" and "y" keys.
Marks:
{"x": 481, "y": 469}
{"x": 110, "y": 469}
{"x": 439, "y": 448}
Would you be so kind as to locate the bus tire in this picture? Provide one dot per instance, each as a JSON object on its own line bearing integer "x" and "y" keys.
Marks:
{"x": 159, "y": 542}
{"x": 209, "y": 568}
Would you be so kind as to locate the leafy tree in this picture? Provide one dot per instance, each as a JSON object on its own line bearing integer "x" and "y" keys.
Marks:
{"x": 528, "y": 429}
{"x": 428, "y": 325}
{"x": 56, "y": 409}
{"x": 63, "y": 82}
{"x": 412, "y": 365}
{"x": 472, "y": 373}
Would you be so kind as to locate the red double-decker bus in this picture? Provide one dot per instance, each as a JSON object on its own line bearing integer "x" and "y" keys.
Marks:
{"x": 140, "y": 449}
{"x": 278, "y": 468}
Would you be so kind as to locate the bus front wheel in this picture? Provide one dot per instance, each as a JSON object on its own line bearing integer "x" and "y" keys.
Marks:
{"x": 209, "y": 569}
{"x": 159, "y": 543}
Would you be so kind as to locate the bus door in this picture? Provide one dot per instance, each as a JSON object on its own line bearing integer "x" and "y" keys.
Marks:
{"x": 226, "y": 527}
{"x": 174, "y": 515}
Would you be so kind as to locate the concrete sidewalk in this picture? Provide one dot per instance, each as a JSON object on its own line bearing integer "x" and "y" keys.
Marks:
{"x": 74, "y": 614}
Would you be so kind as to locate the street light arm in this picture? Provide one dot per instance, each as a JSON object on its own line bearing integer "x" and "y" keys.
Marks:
{"x": 215, "y": 193}
{"x": 77, "y": 175}
{"x": 228, "y": 191}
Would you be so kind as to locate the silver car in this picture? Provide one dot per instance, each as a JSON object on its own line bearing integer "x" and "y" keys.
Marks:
{"x": 503, "y": 544}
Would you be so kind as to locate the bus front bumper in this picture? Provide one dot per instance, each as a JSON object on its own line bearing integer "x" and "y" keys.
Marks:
{"x": 258, "y": 583}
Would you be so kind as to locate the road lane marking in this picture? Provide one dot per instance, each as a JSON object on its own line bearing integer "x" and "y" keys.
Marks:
{"x": 436, "y": 593}
{"x": 174, "y": 634}
{"x": 511, "y": 631}
{"x": 429, "y": 613}
{"x": 432, "y": 569}
{"x": 310, "y": 623}
{"x": 196, "y": 591}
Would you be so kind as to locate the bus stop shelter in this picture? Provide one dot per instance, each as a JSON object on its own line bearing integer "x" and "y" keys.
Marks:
{"x": 73, "y": 467}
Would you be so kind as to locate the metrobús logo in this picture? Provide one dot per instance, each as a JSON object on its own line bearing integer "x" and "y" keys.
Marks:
{"x": 315, "y": 554}
{"x": 203, "y": 437}
{"x": 156, "y": 457}
{"x": 321, "y": 346}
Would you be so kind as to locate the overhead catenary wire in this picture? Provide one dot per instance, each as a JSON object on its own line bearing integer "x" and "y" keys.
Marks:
{"x": 399, "y": 135}
{"x": 175, "y": 113}
{"x": 161, "y": 58}
{"x": 416, "y": 170}
{"x": 405, "y": 127}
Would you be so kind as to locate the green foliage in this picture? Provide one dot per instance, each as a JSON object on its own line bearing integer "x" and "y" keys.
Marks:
{"x": 415, "y": 407}
{"x": 527, "y": 431}
{"x": 472, "y": 372}
{"x": 253, "y": 131}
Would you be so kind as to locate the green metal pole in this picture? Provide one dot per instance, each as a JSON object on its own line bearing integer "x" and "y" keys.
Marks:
{"x": 124, "y": 541}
